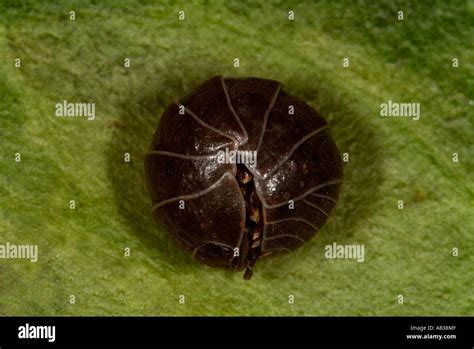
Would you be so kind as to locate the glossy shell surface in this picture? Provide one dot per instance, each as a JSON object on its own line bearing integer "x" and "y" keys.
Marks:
{"x": 228, "y": 214}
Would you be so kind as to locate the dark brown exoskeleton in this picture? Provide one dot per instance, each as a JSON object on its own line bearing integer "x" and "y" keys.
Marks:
{"x": 239, "y": 170}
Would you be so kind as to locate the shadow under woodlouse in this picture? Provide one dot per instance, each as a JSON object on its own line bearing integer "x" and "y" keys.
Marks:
{"x": 133, "y": 132}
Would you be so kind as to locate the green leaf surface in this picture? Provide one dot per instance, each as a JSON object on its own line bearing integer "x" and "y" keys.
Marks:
{"x": 81, "y": 252}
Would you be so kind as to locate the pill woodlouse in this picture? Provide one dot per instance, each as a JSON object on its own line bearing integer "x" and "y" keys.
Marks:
{"x": 229, "y": 213}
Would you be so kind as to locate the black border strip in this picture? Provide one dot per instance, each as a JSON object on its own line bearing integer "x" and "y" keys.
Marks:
{"x": 386, "y": 331}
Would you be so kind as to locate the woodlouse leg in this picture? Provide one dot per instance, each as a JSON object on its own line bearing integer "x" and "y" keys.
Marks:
{"x": 253, "y": 221}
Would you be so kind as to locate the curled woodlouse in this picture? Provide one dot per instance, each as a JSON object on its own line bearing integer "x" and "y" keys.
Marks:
{"x": 239, "y": 170}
